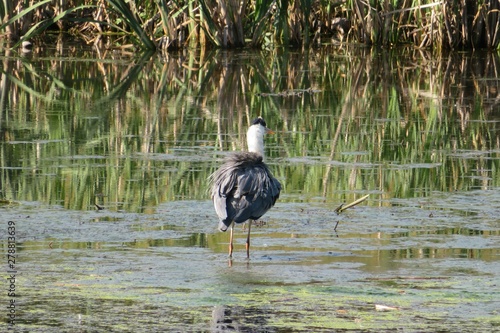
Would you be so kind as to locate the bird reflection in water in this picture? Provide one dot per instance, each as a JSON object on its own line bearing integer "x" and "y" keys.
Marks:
{"x": 239, "y": 319}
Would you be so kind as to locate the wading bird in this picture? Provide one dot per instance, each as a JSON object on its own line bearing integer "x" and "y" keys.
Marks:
{"x": 243, "y": 188}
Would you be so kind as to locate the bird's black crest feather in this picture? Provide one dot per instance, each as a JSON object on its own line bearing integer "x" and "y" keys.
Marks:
{"x": 259, "y": 120}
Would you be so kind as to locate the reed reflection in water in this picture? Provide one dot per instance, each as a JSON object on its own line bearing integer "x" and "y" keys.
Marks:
{"x": 130, "y": 135}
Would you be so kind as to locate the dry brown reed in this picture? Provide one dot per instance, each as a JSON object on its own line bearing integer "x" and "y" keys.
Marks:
{"x": 164, "y": 24}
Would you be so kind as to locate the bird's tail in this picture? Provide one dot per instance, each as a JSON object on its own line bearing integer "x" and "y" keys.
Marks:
{"x": 223, "y": 225}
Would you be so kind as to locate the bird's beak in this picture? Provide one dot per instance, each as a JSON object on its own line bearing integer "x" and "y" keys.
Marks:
{"x": 270, "y": 131}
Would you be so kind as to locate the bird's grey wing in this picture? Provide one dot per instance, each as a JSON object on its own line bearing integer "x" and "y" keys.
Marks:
{"x": 255, "y": 193}
{"x": 224, "y": 181}
{"x": 242, "y": 192}
{"x": 275, "y": 189}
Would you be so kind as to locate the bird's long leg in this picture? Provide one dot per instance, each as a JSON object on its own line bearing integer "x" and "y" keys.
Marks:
{"x": 248, "y": 239}
{"x": 231, "y": 241}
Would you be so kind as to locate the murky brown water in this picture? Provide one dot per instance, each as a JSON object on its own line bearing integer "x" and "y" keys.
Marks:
{"x": 420, "y": 255}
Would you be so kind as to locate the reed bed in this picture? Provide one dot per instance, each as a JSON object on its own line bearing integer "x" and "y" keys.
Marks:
{"x": 167, "y": 25}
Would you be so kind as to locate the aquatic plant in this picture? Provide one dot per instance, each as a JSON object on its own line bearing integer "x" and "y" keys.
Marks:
{"x": 440, "y": 24}
{"x": 174, "y": 24}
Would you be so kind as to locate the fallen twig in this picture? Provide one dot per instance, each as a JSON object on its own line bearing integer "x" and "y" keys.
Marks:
{"x": 341, "y": 208}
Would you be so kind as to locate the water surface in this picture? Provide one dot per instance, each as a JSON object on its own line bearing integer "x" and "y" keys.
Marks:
{"x": 104, "y": 166}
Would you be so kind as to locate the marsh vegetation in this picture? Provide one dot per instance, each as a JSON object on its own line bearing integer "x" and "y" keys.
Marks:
{"x": 163, "y": 24}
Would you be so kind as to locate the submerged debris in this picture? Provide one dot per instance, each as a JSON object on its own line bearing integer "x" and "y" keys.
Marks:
{"x": 379, "y": 307}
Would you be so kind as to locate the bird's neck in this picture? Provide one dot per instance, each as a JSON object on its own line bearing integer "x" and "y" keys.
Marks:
{"x": 255, "y": 143}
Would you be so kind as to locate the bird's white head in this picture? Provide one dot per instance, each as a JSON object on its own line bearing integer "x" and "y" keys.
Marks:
{"x": 255, "y": 136}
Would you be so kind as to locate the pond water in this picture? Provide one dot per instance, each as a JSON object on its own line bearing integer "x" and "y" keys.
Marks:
{"x": 104, "y": 160}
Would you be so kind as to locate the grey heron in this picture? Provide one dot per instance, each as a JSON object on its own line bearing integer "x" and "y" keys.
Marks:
{"x": 243, "y": 188}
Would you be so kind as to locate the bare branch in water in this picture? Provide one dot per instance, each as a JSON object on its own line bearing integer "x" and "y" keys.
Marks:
{"x": 341, "y": 208}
